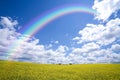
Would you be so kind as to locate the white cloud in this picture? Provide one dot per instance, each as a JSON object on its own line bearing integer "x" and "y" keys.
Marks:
{"x": 116, "y": 47}
{"x": 101, "y": 34}
{"x": 76, "y": 38}
{"x": 14, "y": 46}
{"x": 85, "y": 54}
{"x": 56, "y": 42}
{"x": 106, "y": 8}
{"x": 99, "y": 43}
{"x": 7, "y": 22}
{"x": 49, "y": 46}
{"x": 62, "y": 49}
{"x": 79, "y": 55}
{"x": 86, "y": 48}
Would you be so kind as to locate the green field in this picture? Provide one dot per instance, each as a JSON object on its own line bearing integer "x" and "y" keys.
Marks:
{"x": 31, "y": 71}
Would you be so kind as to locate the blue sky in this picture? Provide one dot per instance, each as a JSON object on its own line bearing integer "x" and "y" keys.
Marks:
{"x": 76, "y": 37}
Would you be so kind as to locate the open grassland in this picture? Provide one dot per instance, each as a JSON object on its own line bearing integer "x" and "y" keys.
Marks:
{"x": 31, "y": 71}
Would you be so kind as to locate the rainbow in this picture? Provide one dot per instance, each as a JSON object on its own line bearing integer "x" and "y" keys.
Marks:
{"x": 39, "y": 22}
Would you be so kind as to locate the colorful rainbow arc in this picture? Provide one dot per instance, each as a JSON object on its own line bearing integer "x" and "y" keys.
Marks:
{"x": 38, "y": 23}
{"x": 34, "y": 26}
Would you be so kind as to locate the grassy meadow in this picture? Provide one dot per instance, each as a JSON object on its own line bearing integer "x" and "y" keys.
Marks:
{"x": 30, "y": 71}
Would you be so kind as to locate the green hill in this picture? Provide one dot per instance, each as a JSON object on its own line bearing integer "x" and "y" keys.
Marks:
{"x": 30, "y": 71}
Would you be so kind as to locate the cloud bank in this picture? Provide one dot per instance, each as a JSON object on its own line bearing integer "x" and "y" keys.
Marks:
{"x": 106, "y": 8}
{"x": 97, "y": 43}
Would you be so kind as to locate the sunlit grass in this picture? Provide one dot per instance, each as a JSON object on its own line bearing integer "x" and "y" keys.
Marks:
{"x": 31, "y": 71}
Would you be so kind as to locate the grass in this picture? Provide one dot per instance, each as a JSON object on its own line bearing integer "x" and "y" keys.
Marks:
{"x": 30, "y": 71}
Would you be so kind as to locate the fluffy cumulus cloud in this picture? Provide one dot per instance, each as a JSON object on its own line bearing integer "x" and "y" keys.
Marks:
{"x": 15, "y": 46}
{"x": 105, "y": 8}
{"x": 7, "y": 22}
{"x": 101, "y": 34}
{"x": 94, "y": 55}
{"x": 96, "y": 43}
{"x": 88, "y": 47}
{"x": 100, "y": 42}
